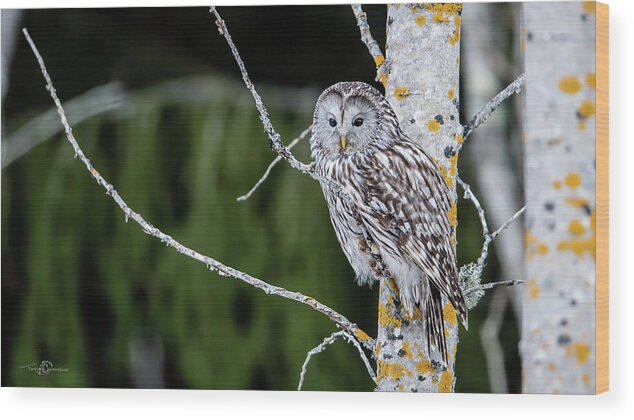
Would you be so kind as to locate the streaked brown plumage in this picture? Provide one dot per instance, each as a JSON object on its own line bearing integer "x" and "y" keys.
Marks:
{"x": 400, "y": 201}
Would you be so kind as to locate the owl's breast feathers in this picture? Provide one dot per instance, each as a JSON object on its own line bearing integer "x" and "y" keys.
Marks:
{"x": 405, "y": 204}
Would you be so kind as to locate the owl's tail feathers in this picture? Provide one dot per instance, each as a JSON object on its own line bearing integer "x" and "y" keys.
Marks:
{"x": 464, "y": 315}
{"x": 459, "y": 304}
{"x": 435, "y": 324}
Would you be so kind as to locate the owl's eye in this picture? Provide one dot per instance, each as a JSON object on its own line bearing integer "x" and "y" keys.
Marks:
{"x": 358, "y": 122}
{"x": 332, "y": 122}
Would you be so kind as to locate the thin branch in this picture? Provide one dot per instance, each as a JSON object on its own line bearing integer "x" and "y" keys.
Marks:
{"x": 492, "y": 284}
{"x": 369, "y": 41}
{"x": 275, "y": 141}
{"x": 299, "y": 138}
{"x": 211, "y": 263}
{"x": 488, "y": 237}
{"x": 469, "y": 195}
{"x": 322, "y": 346}
{"x": 508, "y": 223}
{"x": 492, "y": 105}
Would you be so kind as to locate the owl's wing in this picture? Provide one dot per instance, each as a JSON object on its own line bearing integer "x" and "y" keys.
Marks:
{"x": 406, "y": 209}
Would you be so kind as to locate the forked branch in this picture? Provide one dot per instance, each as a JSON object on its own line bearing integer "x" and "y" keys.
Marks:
{"x": 322, "y": 346}
{"x": 275, "y": 141}
{"x": 487, "y": 234}
{"x": 275, "y": 161}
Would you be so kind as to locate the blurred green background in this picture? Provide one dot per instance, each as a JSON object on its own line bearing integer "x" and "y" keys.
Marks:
{"x": 174, "y": 129}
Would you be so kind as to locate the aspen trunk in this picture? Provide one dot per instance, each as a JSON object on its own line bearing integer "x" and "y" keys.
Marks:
{"x": 558, "y": 328}
{"x": 421, "y": 79}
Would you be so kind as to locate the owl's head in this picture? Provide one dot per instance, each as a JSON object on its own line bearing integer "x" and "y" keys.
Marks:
{"x": 349, "y": 118}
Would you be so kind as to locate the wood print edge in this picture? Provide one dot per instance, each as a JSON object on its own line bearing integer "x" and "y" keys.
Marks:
{"x": 602, "y": 198}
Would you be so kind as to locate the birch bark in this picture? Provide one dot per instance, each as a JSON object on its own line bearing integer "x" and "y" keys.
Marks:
{"x": 558, "y": 328}
{"x": 420, "y": 74}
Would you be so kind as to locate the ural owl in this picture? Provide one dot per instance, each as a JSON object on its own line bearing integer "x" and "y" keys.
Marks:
{"x": 399, "y": 200}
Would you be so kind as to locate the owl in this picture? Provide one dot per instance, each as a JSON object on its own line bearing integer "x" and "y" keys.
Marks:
{"x": 398, "y": 202}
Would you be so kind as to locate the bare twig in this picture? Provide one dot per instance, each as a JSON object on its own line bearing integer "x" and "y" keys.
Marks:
{"x": 488, "y": 237}
{"x": 496, "y": 233}
{"x": 492, "y": 105}
{"x": 469, "y": 195}
{"x": 322, "y": 346}
{"x": 369, "y": 41}
{"x": 211, "y": 263}
{"x": 299, "y": 138}
{"x": 275, "y": 141}
{"x": 492, "y": 284}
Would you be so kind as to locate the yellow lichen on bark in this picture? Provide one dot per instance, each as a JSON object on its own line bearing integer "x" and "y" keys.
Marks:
{"x": 449, "y": 313}
{"x": 446, "y": 382}
{"x": 378, "y": 60}
{"x": 580, "y": 246}
{"x": 424, "y": 366}
{"x": 586, "y": 109}
{"x": 448, "y": 8}
{"x": 585, "y": 378}
{"x": 383, "y": 78}
{"x": 433, "y": 125}
{"x": 361, "y": 335}
{"x": 533, "y": 289}
{"x": 407, "y": 351}
{"x": 453, "y": 168}
{"x": 401, "y": 93}
{"x": 589, "y": 7}
{"x": 570, "y": 85}
{"x": 455, "y": 37}
{"x": 580, "y": 351}
{"x": 386, "y": 317}
{"x": 533, "y": 246}
{"x": 576, "y": 227}
{"x": 393, "y": 370}
{"x": 573, "y": 180}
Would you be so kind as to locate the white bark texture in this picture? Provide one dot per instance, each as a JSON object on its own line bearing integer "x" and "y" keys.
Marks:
{"x": 421, "y": 72}
{"x": 558, "y": 328}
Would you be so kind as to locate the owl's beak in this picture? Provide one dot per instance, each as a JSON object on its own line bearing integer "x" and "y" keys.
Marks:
{"x": 344, "y": 142}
